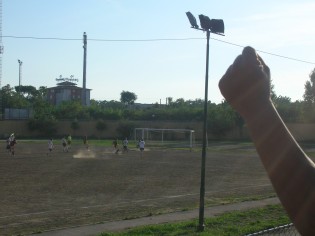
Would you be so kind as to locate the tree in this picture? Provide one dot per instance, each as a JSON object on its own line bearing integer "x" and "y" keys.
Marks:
{"x": 290, "y": 112}
{"x": 222, "y": 118}
{"x": 309, "y": 88}
{"x": 27, "y": 91}
{"x": 128, "y": 98}
{"x": 6, "y": 94}
{"x": 11, "y": 99}
{"x": 273, "y": 94}
{"x": 169, "y": 100}
{"x": 71, "y": 110}
{"x": 179, "y": 102}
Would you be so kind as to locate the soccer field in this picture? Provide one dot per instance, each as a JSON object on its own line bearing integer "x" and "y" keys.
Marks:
{"x": 40, "y": 192}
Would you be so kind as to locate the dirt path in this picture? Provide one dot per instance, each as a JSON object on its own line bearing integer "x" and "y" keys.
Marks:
{"x": 159, "y": 219}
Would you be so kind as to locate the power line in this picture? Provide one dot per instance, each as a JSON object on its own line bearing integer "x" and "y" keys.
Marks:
{"x": 269, "y": 53}
{"x": 153, "y": 40}
{"x": 101, "y": 40}
{"x": 39, "y": 38}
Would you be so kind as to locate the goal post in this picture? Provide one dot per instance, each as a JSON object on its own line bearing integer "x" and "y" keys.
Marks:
{"x": 166, "y": 137}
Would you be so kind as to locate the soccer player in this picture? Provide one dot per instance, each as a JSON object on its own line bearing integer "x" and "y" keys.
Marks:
{"x": 64, "y": 144}
{"x": 246, "y": 86}
{"x": 50, "y": 146}
{"x": 85, "y": 142}
{"x": 141, "y": 146}
{"x": 8, "y": 145}
{"x": 12, "y": 142}
{"x": 69, "y": 140}
{"x": 115, "y": 144}
{"x": 125, "y": 145}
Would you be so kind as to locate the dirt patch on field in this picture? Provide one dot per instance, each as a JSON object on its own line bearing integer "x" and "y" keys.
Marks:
{"x": 41, "y": 192}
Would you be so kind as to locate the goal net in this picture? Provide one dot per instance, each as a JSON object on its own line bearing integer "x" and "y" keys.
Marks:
{"x": 166, "y": 137}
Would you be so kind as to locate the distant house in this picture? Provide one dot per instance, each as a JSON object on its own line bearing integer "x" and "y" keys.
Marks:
{"x": 67, "y": 91}
{"x": 143, "y": 105}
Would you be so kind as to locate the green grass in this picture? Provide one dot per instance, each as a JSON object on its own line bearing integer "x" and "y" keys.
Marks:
{"x": 233, "y": 223}
{"x": 235, "y": 199}
{"x": 77, "y": 141}
{"x": 215, "y": 146}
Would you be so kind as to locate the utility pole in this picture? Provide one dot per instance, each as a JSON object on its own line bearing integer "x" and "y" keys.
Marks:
{"x": 1, "y": 52}
{"x": 84, "y": 69}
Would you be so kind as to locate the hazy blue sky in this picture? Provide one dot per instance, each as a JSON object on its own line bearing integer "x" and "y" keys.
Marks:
{"x": 153, "y": 69}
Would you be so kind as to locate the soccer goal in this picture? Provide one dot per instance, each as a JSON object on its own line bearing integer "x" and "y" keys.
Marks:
{"x": 166, "y": 137}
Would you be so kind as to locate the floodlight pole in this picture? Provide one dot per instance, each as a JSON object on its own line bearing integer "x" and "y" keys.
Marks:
{"x": 204, "y": 145}
{"x": 20, "y": 74}
{"x": 84, "y": 69}
{"x": 215, "y": 26}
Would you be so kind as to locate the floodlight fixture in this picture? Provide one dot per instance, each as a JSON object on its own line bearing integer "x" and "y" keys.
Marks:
{"x": 216, "y": 26}
{"x": 192, "y": 20}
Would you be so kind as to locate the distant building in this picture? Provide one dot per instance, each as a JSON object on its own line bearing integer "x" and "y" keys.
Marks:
{"x": 17, "y": 114}
{"x": 67, "y": 91}
{"x": 144, "y": 105}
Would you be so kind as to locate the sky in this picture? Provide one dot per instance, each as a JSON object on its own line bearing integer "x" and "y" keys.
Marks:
{"x": 147, "y": 47}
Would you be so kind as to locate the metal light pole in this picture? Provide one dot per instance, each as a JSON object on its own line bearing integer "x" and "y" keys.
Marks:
{"x": 217, "y": 27}
{"x": 204, "y": 144}
{"x": 84, "y": 69}
{"x": 20, "y": 74}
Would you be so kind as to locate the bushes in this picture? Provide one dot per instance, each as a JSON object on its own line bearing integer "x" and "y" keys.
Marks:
{"x": 47, "y": 126}
{"x": 101, "y": 126}
{"x": 125, "y": 129}
{"x": 221, "y": 118}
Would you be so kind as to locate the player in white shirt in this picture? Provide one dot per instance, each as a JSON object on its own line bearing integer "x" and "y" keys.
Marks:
{"x": 141, "y": 146}
{"x": 50, "y": 146}
{"x": 125, "y": 145}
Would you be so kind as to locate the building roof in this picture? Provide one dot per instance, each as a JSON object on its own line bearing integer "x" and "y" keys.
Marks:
{"x": 66, "y": 83}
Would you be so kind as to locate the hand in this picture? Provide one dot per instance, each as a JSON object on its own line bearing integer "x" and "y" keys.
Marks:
{"x": 246, "y": 83}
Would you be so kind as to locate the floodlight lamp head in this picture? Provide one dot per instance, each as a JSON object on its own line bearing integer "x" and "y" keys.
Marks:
{"x": 217, "y": 26}
{"x": 192, "y": 20}
{"x": 214, "y": 25}
{"x": 204, "y": 22}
